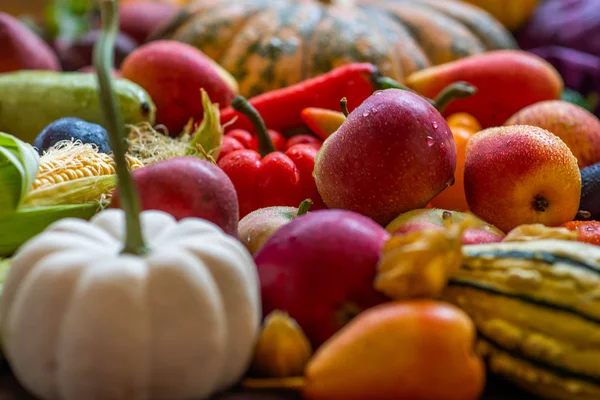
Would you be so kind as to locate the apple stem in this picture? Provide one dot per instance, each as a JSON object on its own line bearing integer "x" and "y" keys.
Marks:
{"x": 304, "y": 207}
{"x": 456, "y": 90}
{"x": 265, "y": 144}
{"x": 103, "y": 61}
{"x": 344, "y": 106}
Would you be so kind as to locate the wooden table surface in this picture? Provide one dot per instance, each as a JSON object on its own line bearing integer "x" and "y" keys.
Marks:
{"x": 496, "y": 390}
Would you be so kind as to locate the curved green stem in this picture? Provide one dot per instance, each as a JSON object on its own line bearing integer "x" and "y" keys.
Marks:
{"x": 103, "y": 61}
{"x": 304, "y": 207}
{"x": 344, "y": 106}
{"x": 265, "y": 144}
{"x": 457, "y": 90}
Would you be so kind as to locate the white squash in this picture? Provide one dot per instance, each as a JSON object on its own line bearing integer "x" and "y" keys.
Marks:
{"x": 81, "y": 321}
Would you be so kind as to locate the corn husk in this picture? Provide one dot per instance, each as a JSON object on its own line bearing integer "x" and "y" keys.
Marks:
{"x": 25, "y": 211}
{"x": 18, "y": 168}
{"x": 22, "y": 225}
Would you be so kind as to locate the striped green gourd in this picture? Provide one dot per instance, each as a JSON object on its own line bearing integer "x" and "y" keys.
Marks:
{"x": 536, "y": 306}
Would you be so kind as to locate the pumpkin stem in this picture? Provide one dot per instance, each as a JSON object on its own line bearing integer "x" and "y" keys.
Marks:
{"x": 103, "y": 61}
{"x": 344, "y": 106}
{"x": 456, "y": 90}
{"x": 265, "y": 144}
{"x": 304, "y": 207}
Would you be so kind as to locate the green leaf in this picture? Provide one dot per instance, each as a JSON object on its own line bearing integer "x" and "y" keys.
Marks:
{"x": 20, "y": 226}
{"x": 19, "y": 163}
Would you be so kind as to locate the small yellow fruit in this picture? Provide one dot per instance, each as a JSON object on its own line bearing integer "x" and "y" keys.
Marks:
{"x": 282, "y": 350}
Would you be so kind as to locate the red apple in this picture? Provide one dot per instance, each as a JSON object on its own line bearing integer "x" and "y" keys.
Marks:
{"x": 188, "y": 187}
{"x": 320, "y": 269}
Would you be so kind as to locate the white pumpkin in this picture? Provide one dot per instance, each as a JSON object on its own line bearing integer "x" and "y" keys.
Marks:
{"x": 80, "y": 321}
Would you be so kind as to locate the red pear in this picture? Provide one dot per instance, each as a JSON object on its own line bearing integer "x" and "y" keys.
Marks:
{"x": 394, "y": 153}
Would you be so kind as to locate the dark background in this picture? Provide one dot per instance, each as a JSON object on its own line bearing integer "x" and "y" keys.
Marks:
{"x": 497, "y": 389}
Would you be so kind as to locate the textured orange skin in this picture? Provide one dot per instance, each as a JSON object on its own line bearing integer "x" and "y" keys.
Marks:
{"x": 22, "y": 49}
{"x": 589, "y": 231}
{"x": 463, "y": 126}
{"x": 506, "y": 81}
{"x": 507, "y": 167}
{"x": 173, "y": 74}
{"x": 379, "y": 163}
{"x": 417, "y": 350}
{"x": 576, "y": 126}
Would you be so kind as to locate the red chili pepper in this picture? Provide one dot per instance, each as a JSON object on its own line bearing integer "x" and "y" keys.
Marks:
{"x": 268, "y": 177}
{"x": 239, "y": 139}
{"x": 281, "y": 108}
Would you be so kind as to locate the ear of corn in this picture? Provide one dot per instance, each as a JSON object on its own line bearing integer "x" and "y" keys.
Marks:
{"x": 71, "y": 180}
{"x": 74, "y": 173}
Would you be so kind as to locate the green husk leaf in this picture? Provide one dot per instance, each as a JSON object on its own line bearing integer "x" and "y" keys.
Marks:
{"x": 19, "y": 163}
{"x": 20, "y": 226}
{"x": 78, "y": 191}
{"x": 209, "y": 134}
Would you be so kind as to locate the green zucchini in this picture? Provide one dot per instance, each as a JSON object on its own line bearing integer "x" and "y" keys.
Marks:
{"x": 30, "y": 100}
{"x": 536, "y": 306}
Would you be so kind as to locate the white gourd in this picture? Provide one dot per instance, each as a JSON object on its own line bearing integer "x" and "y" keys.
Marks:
{"x": 82, "y": 321}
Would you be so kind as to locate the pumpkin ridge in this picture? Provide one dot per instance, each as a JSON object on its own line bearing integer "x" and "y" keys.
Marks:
{"x": 443, "y": 38}
{"x": 307, "y": 40}
{"x": 491, "y": 33}
{"x": 245, "y": 45}
{"x": 356, "y": 42}
{"x": 399, "y": 73}
{"x": 260, "y": 7}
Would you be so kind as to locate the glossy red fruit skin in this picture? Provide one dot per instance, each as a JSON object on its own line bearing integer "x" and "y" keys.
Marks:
{"x": 278, "y": 179}
{"x": 237, "y": 139}
{"x": 173, "y": 73}
{"x": 320, "y": 269}
{"x": 394, "y": 153}
{"x": 21, "y": 49}
{"x": 199, "y": 190}
{"x": 588, "y": 231}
